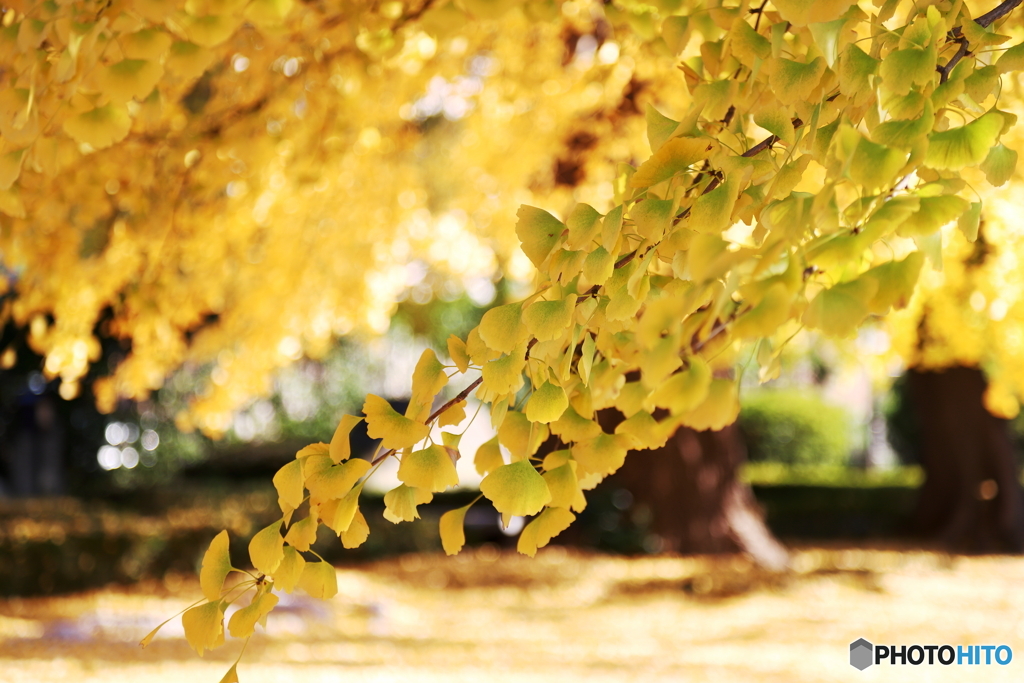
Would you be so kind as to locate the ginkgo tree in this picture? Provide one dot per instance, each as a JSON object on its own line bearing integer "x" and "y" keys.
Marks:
{"x": 804, "y": 183}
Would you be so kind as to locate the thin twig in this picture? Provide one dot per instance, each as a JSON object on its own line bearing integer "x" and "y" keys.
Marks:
{"x": 985, "y": 20}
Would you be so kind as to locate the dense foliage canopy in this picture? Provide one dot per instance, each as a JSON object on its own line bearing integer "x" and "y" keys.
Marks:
{"x": 232, "y": 183}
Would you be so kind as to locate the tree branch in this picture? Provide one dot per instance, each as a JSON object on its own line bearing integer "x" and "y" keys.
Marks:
{"x": 985, "y": 20}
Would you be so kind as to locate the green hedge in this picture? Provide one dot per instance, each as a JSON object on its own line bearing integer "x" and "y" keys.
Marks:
{"x": 794, "y": 428}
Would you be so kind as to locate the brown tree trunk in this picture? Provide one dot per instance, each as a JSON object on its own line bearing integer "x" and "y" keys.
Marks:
{"x": 698, "y": 503}
{"x": 971, "y": 500}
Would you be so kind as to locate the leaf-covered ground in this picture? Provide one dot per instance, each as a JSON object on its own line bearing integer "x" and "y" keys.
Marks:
{"x": 483, "y": 616}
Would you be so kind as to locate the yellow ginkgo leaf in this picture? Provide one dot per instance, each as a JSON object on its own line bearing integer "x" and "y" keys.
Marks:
{"x": 357, "y": 533}
{"x": 337, "y": 480}
{"x": 231, "y": 676}
{"x": 314, "y": 464}
{"x": 10, "y": 169}
{"x": 188, "y": 60}
{"x": 453, "y": 534}
{"x": 210, "y": 30}
{"x": 149, "y": 43}
{"x": 289, "y": 570}
{"x": 204, "y": 626}
{"x": 675, "y": 155}
{"x": 584, "y": 225}
{"x": 503, "y": 375}
{"x": 319, "y": 580}
{"x": 457, "y": 352}
{"x": 100, "y": 127}
{"x": 540, "y": 531}
{"x": 488, "y": 457}
{"x": 546, "y": 404}
{"x": 340, "y": 448}
{"x": 719, "y": 409}
{"x": 453, "y": 416}
{"x": 602, "y": 455}
{"x": 216, "y": 566}
{"x": 268, "y": 13}
{"x": 427, "y": 379}
{"x": 548, "y": 320}
{"x": 538, "y": 232}
{"x": 302, "y": 534}
{"x": 401, "y": 503}
{"x": 642, "y": 431}
{"x": 346, "y": 510}
{"x": 289, "y": 484}
{"x": 516, "y": 489}
{"x": 266, "y": 549}
{"x": 313, "y": 449}
{"x": 838, "y": 311}
{"x": 562, "y": 484}
{"x": 129, "y": 78}
{"x": 242, "y": 623}
{"x": 571, "y": 426}
{"x": 502, "y": 328}
{"x": 765, "y": 318}
{"x": 395, "y": 431}
{"x": 431, "y": 469}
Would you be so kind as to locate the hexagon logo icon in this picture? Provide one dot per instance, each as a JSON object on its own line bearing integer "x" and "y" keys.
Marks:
{"x": 861, "y": 654}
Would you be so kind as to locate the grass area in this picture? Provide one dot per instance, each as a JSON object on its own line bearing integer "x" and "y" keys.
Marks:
{"x": 489, "y": 616}
{"x": 779, "y": 474}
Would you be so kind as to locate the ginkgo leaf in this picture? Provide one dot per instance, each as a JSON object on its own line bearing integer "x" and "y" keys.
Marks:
{"x": 453, "y": 535}
{"x": 904, "y": 134}
{"x": 394, "y": 430}
{"x": 302, "y": 534}
{"x": 968, "y": 145}
{"x": 540, "y": 531}
{"x": 718, "y": 410}
{"x": 242, "y": 623}
{"x": 337, "y": 480}
{"x": 188, "y": 60}
{"x": 314, "y": 449}
{"x": 453, "y": 416}
{"x": 502, "y": 327}
{"x": 430, "y": 469}
{"x": 100, "y": 127}
{"x": 516, "y": 489}
{"x": 932, "y": 214}
{"x": 216, "y": 566}
{"x": 747, "y": 44}
{"x": 872, "y": 165}
{"x": 856, "y": 68}
{"x": 266, "y": 549}
{"x": 792, "y": 82}
{"x": 427, "y": 380}
{"x": 289, "y": 570}
{"x": 289, "y": 484}
{"x": 571, "y": 426}
{"x": 319, "y": 579}
{"x": 268, "y": 13}
{"x": 562, "y": 484}
{"x": 357, "y": 533}
{"x": 401, "y": 503}
{"x": 488, "y": 456}
{"x": 641, "y": 431}
{"x": 204, "y": 626}
{"x": 210, "y": 30}
{"x": 10, "y": 169}
{"x": 673, "y": 156}
{"x": 652, "y": 218}
{"x": 603, "y": 454}
{"x": 231, "y": 676}
{"x": 970, "y": 221}
{"x": 598, "y": 266}
{"x": 584, "y": 224}
{"x": 548, "y": 320}
{"x": 340, "y": 448}
{"x": 999, "y": 164}
{"x": 803, "y": 12}
{"x": 838, "y": 311}
{"x": 684, "y": 390}
{"x": 659, "y": 127}
{"x": 546, "y": 404}
{"x": 504, "y": 375}
{"x": 314, "y": 464}
{"x": 903, "y": 69}
{"x": 712, "y": 212}
{"x": 457, "y": 352}
{"x": 776, "y": 121}
{"x": 538, "y": 233}
{"x": 765, "y": 318}
{"x": 129, "y": 78}
{"x": 346, "y": 511}
{"x": 896, "y": 281}
{"x": 149, "y": 43}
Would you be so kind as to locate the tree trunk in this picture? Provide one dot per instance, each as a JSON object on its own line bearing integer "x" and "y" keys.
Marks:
{"x": 971, "y": 500}
{"x": 697, "y": 501}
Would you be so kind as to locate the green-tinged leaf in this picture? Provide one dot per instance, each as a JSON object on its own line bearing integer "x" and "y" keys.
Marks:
{"x": 748, "y": 45}
{"x": 488, "y": 456}
{"x": 546, "y": 404}
{"x": 598, "y": 267}
{"x": 652, "y": 218}
{"x": 896, "y": 281}
{"x": 571, "y": 426}
{"x": 395, "y": 431}
{"x": 340, "y": 448}
{"x": 337, "y": 480}
{"x": 538, "y": 232}
{"x": 719, "y": 410}
{"x": 964, "y": 146}
{"x": 981, "y": 83}
{"x": 100, "y": 127}
{"x": 934, "y": 212}
{"x": 1012, "y": 59}
{"x": 216, "y": 566}
{"x": 503, "y": 375}
{"x": 712, "y": 212}
{"x": 289, "y": 484}
{"x": 288, "y": 572}
{"x": 642, "y": 432}
{"x": 562, "y": 484}
{"x": 430, "y": 469}
{"x": 827, "y": 36}
{"x": 319, "y": 580}
{"x": 242, "y": 623}
{"x": 302, "y": 534}
{"x": 970, "y": 221}
{"x": 502, "y": 327}
{"x": 999, "y": 165}
{"x": 684, "y": 390}
{"x": 766, "y": 317}
{"x": 875, "y": 166}
{"x": 547, "y": 320}
{"x": 611, "y": 227}
{"x": 266, "y": 549}
{"x": 204, "y": 626}
{"x": 357, "y": 533}
{"x": 584, "y": 225}
{"x": 603, "y": 454}
{"x": 659, "y": 127}
{"x": 838, "y": 311}
{"x": 803, "y": 12}
{"x": 401, "y": 503}
{"x": 516, "y": 489}
{"x": 427, "y": 380}
{"x": 586, "y": 362}
{"x": 457, "y": 352}
{"x": 129, "y": 78}
{"x": 540, "y": 531}
{"x": 792, "y": 82}
{"x": 673, "y": 156}
{"x": 776, "y": 121}
{"x": 904, "y": 134}
{"x": 856, "y": 68}
{"x": 453, "y": 534}
{"x": 903, "y": 69}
